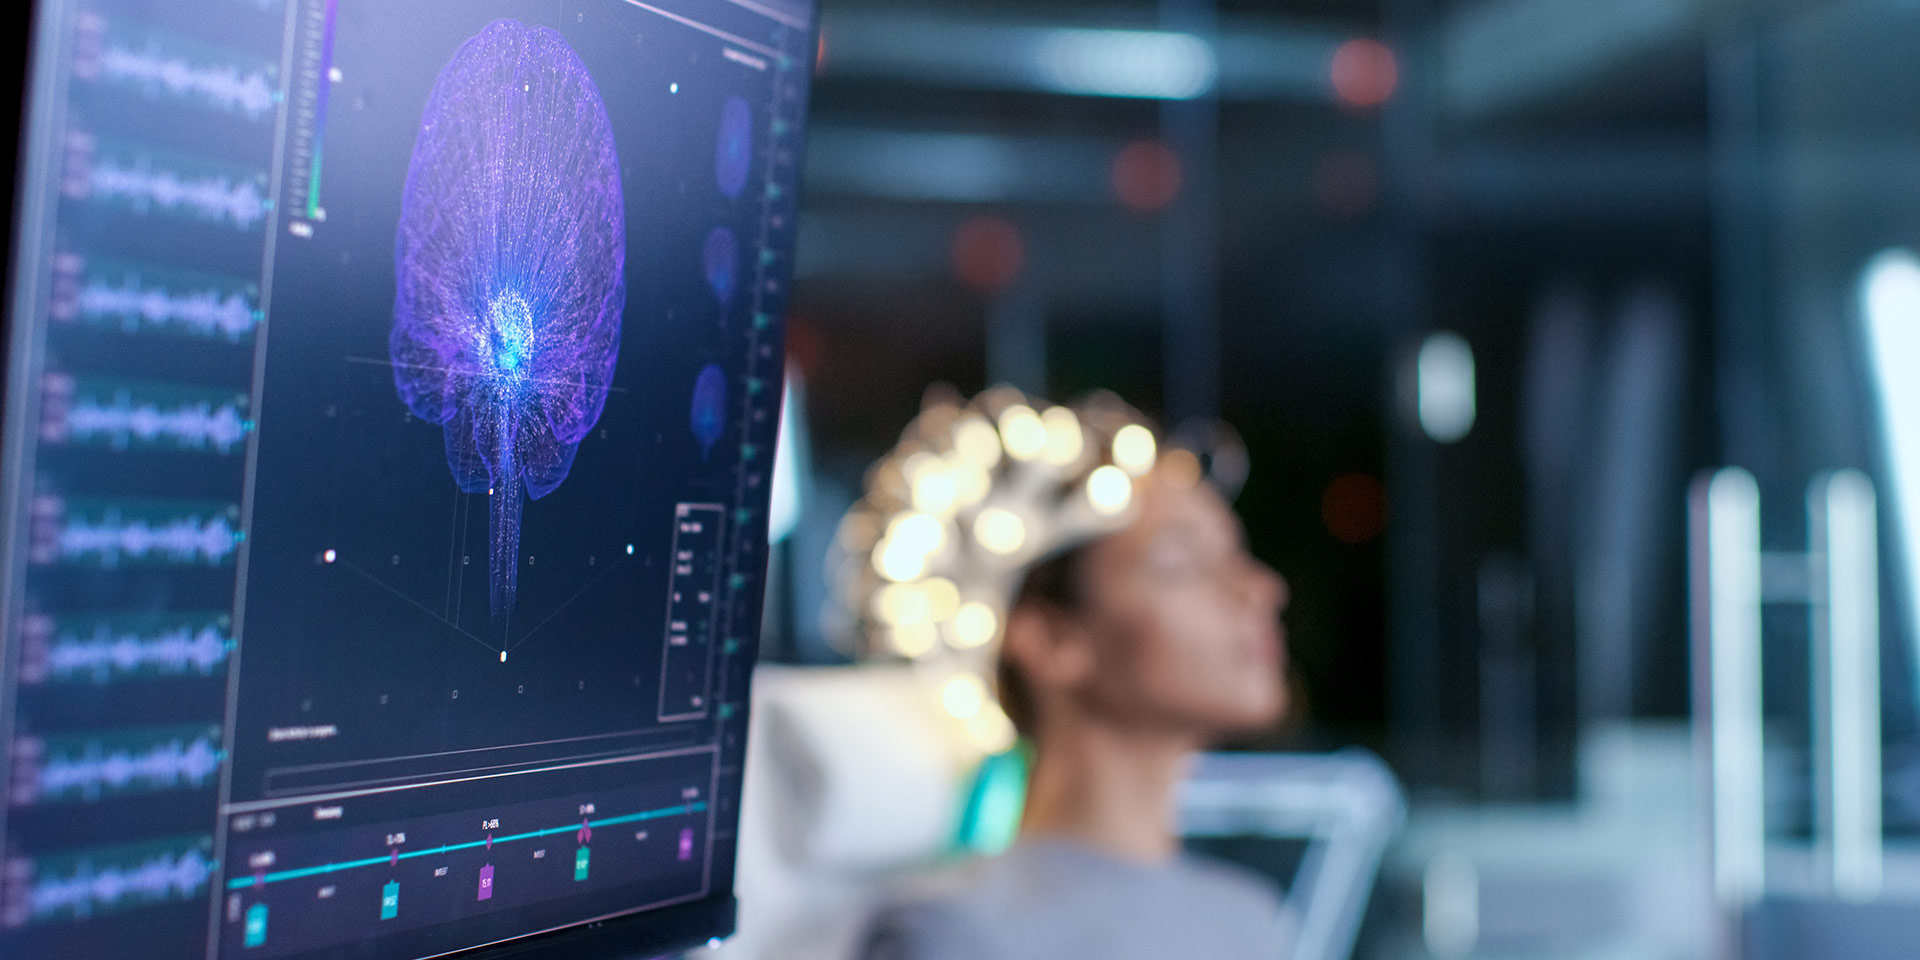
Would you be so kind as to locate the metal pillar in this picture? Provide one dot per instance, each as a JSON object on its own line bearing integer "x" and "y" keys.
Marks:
{"x": 1838, "y": 580}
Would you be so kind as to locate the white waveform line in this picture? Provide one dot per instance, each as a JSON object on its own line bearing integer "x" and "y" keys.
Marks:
{"x": 173, "y": 651}
{"x": 214, "y": 197}
{"x": 180, "y": 541}
{"x": 194, "y": 425}
{"x": 164, "y": 766}
{"x": 175, "y": 876}
{"x": 203, "y": 312}
{"x": 224, "y": 87}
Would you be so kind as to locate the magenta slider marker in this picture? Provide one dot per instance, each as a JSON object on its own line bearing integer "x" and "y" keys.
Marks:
{"x": 686, "y": 843}
{"x": 486, "y": 882}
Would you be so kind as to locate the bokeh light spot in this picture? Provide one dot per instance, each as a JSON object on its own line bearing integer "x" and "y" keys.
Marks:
{"x": 988, "y": 253}
{"x": 1364, "y": 72}
{"x": 1354, "y": 507}
{"x": 1146, "y": 176}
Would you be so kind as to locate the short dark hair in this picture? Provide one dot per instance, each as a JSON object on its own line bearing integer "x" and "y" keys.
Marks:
{"x": 1055, "y": 583}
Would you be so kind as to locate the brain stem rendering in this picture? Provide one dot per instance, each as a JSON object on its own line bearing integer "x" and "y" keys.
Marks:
{"x": 509, "y": 258}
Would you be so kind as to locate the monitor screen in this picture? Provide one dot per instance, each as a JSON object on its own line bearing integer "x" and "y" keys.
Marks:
{"x": 391, "y": 395}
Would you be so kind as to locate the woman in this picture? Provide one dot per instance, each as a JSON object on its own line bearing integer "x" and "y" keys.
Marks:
{"x": 1120, "y": 658}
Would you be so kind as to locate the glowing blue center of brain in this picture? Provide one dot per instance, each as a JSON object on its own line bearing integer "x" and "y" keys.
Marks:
{"x": 509, "y": 332}
{"x": 509, "y": 261}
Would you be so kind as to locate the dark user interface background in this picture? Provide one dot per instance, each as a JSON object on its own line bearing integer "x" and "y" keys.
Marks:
{"x": 262, "y": 693}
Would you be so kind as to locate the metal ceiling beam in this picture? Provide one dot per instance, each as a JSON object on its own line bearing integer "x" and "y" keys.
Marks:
{"x": 1495, "y": 55}
{"x": 1113, "y": 56}
{"x": 1500, "y": 55}
{"x": 953, "y": 167}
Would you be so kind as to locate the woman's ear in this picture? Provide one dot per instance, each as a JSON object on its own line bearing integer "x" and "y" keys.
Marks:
{"x": 1050, "y": 649}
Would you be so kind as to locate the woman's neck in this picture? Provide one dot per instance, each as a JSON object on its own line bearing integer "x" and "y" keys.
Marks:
{"x": 1109, "y": 789}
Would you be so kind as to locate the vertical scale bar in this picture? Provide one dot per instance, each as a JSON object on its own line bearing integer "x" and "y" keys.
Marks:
{"x": 1842, "y": 519}
{"x": 1727, "y": 637}
{"x": 325, "y": 87}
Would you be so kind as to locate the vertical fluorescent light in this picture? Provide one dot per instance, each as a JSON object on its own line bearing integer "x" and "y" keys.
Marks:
{"x": 1890, "y": 309}
{"x": 1444, "y": 386}
{"x": 1846, "y": 631}
{"x": 1733, "y": 650}
{"x": 1124, "y": 63}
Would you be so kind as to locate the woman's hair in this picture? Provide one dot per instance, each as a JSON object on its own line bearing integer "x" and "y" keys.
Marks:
{"x": 1054, "y": 583}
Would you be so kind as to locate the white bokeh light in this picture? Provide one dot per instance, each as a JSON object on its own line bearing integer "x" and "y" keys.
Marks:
{"x": 1445, "y": 387}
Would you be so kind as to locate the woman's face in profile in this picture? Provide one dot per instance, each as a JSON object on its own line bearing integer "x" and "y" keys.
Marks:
{"x": 1186, "y": 621}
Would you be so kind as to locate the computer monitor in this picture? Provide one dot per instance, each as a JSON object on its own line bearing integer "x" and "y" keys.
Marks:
{"x": 391, "y": 390}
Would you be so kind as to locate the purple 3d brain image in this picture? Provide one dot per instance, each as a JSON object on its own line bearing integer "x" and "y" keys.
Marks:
{"x": 733, "y": 153}
{"x": 720, "y": 257}
{"x": 709, "y": 411}
{"x": 509, "y": 259}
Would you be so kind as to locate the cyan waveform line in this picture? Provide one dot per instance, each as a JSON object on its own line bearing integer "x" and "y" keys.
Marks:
{"x": 241, "y": 883}
{"x": 90, "y": 886}
{"x": 106, "y": 652}
{"x": 221, "y": 86}
{"x": 121, "y": 421}
{"x": 183, "y": 540}
{"x": 98, "y": 769}
{"x": 202, "y": 312}
{"x": 212, "y": 196}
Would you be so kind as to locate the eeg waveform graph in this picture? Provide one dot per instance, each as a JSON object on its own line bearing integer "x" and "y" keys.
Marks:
{"x": 82, "y": 768}
{"x": 131, "y": 414}
{"x": 107, "y": 649}
{"x": 112, "y": 533}
{"x": 158, "y": 64}
{"x": 100, "y": 880}
{"x": 148, "y": 181}
{"x": 141, "y": 299}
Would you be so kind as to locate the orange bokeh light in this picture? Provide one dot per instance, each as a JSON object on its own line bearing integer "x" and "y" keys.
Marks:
{"x": 1354, "y": 507}
{"x": 988, "y": 252}
{"x": 1364, "y": 72}
{"x": 1146, "y": 175}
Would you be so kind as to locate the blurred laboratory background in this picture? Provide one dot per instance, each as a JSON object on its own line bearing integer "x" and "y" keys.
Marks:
{"x": 1575, "y": 348}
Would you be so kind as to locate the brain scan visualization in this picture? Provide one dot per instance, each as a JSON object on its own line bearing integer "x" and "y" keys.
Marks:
{"x": 509, "y": 258}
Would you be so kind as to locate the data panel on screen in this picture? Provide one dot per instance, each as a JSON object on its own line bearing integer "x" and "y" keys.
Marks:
{"x": 390, "y": 405}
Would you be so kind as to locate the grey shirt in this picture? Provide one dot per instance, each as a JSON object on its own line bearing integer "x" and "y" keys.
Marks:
{"x": 1053, "y": 900}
